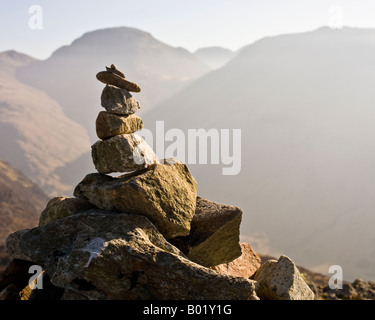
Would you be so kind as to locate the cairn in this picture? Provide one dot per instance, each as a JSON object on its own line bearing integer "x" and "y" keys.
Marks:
{"x": 145, "y": 234}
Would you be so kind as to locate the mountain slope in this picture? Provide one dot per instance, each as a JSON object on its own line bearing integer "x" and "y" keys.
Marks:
{"x": 215, "y": 57}
{"x": 35, "y": 135}
{"x": 21, "y": 202}
{"x": 68, "y": 76}
{"x": 305, "y": 105}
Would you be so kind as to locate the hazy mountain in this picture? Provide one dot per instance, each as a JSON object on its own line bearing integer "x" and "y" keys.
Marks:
{"x": 21, "y": 203}
{"x": 214, "y": 57}
{"x": 306, "y": 106}
{"x": 68, "y": 76}
{"x": 35, "y": 135}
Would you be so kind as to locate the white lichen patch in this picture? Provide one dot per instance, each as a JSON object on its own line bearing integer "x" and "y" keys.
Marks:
{"x": 142, "y": 152}
{"x": 94, "y": 248}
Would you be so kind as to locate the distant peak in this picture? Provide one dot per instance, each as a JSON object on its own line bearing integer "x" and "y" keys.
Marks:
{"x": 15, "y": 58}
{"x": 213, "y": 49}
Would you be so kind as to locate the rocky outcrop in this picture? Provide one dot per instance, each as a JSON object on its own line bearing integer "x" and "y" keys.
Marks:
{"x": 244, "y": 266}
{"x": 105, "y": 255}
{"x": 281, "y": 280}
{"x": 166, "y": 194}
{"x": 122, "y": 153}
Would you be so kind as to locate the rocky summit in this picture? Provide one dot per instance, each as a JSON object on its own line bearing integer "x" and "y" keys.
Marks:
{"x": 145, "y": 234}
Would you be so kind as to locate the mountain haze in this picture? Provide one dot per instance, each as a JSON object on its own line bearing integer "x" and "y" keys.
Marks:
{"x": 35, "y": 134}
{"x": 214, "y": 57}
{"x": 306, "y": 106}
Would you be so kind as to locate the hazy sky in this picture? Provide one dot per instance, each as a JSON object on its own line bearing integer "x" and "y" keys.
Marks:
{"x": 187, "y": 23}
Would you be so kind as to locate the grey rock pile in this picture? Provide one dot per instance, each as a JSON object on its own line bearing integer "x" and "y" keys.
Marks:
{"x": 144, "y": 234}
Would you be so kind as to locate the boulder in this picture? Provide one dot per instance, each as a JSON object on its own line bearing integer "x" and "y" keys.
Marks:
{"x": 214, "y": 235}
{"x": 109, "y": 124}
{"x": 281, "y": 280}
{"x": 164, "y": 193}
{"x": 244, "y": 266}
{"x": 107, "y": 255}
{"x": 117, "y": 100}
{"x": 122, "y": 153}
{"x": 61, "y": 207}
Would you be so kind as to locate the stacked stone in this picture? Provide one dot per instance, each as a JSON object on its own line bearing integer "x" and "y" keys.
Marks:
{"x": 120, "y": 149}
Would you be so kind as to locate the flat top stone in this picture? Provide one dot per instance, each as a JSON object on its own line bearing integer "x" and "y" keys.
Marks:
{"x": 116, "y": 78}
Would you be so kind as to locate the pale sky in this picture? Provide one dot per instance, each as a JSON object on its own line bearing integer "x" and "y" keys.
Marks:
{"x": 191, "y": 24}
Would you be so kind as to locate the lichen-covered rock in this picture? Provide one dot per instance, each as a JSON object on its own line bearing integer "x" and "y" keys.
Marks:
{"x": 122, "y": 153}
{"x": 11, "y": 245}
{"x": 164, "y": 193}
{"x": 117, "y": 100}
{"x": 109, "y": 124}
{"x": 244, "y": 266}
{"x": 214, "y": 235}
{"x": 108, "y": 255}
{"x": 281, "y": 280}
{"x": 61, "y": 207}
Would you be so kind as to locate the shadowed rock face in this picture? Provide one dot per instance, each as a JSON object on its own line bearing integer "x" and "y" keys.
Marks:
{"x": 107, "y": 255}
{"x": 166, "y": 194}
{"x": 214, "y": 234}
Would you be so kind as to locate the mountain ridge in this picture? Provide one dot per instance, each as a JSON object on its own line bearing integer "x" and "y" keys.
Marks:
{"x": 304, "y": 105}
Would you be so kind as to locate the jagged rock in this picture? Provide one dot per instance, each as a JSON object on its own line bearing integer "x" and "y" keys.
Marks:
{"x": 164, "y": 193}
{"x": 117, "y": 100}
{"x": 108, "y": 255}
{"x": 214, "y": 235}
{"x": 61, "y": 207}
{"x": 244, "y": 266}
{"x": 109, "y": 124}
{"x": 10, "y": 293}
{"x": 110, "y": 78}
{"x": 281, "y": 280}
{"x": 122, "y": 153}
